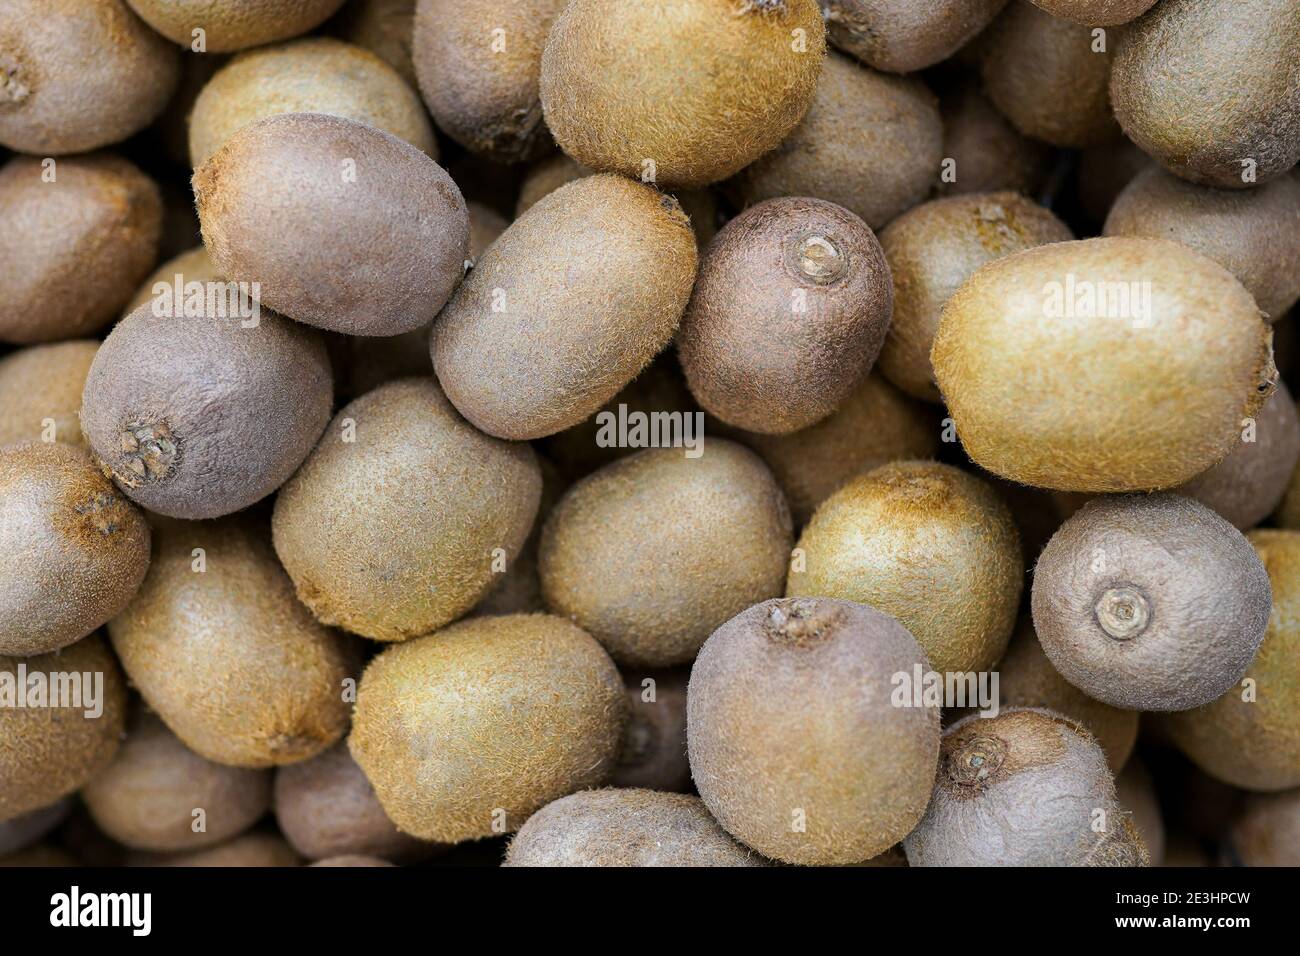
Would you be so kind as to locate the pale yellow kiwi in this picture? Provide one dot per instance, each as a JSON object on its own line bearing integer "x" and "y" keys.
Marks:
{"x": 40, "y": 392}
{"x": 902, "y": 35}
{"x": 233, "y": 24}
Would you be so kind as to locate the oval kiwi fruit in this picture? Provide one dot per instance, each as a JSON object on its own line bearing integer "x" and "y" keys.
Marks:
{"x": 76, "y": 75}
{"x": 1025, "y": 788}
{"x": 193, "y": 265}
{"x": 988, "y": 154}
{"x": 788, "y": 314}
{"x": 40, "y": 392}
{"x": 218, "y": 647}
{"x": 688, "y": 92}
{"x": 188, "y": 412}
{"x": 653, "y": 752}
{"x": 75, "y": 247}
{"x": 384, "y": 27}
{"x": 252, "y": 849}
{"x": 393, "y": 525}
{"x": 566, "y": 307}
{"x": 1096, "y": 13}
{"x": 932, "y": 250}
{"x": 900, "y": 36}
{"x": 1109, "y": 331}
{"x": 634, "y": 552}
{"x": 227, "y": 25}
{"x": 466, "y": 732}
{"x": 796, "y": 744}
{"x": 405, "y": 223}
{"x": 930, "y": 544}
{"x": 628, "y": 827}
{"x": 22, "y": 831}
{"x": 1267, "y": 830}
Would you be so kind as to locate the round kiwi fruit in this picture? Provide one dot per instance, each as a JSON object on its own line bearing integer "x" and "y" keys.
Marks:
{"x": 1150, "y": 602}
{"x": 218, "y": 647}
{"x": 1111, "y": 332}
{"x": 405, "y": 223}
{"x": 1209, "y": 89}
{"x": 189, "y": 412}
{"x": 72, "y": 550}
{"x": 384, "y": 27}
{"x": 1254, "y": 234}
{"x": 871, "y": 143}
{"x": 900, "y": 35}
{"x": 654, "y": 552}
{"x": 226, "y": 25}
{"x": 788, "y": 314}
{"x": 394, "y": 524}
{"x": 566, "y": 307}
{"x": 687, "y": 92}
{"x": 653, "y": 753}
{"x": 53, "y": 746}
{"x": 27, "y": 828}
{"x": 76, "y": 75}
{"x": 935, "y": 247}
{"x": 466, "y": 732}
{"x": 40, "y": 392}
{"x": 75, "y": 247}
{"x": 1136, "y": 793}
{"x": 193, "y": 265}
{"x": 157, "y": 794}
{"x": 987, "y": 153}
{"x": 628, "y": 827}
{"x": 930, "y": 544}
{"x": 315, "y": 75}
{"x": 351, "y": 860}
{"x": 252, "y": 849}
{"x": 1267, "y": 831}
{"x": 1025, "y": 788}
{"x": 796, "y": 744}
{"x": 1096, "y": 13}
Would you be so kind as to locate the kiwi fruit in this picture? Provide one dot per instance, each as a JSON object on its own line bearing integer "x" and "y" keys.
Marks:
{"x": 1254, "y": 234}
{"x": 466, "y": 732}
{"x": 931, "y": 251}
{"x": 326, "y": 808}
{"x": 1120, "y": 336}
{"x": 627, "y": 827}
{"x": 394, "y": 524}
{"x": 77, "y": 75}
{"x": 871, "y": 143}
{"x": 1267, "y": 832}
{"x": 47, "y": 752}
{"x": 405, "y": 221}
{"x": 899, "y": 36}
{"x": 351, "y": 860}
{"x": 27, "y": 828}
{"x": 188, "y": 412}
{"x": 1136, "y": 793}
{"x": 72, "y": 550}
{"x": 252, "y": 849}
{"x": 653, "y": 753}
{"x": 796, "y": 745}
{"x": 1249, "y": 736}
{"x": 1026, "y": 678}
{"x": 687, "y": 92}
{"x": 40, "y": 392}
{"x": 75, "y": 247}
{"x": 987, "y": 153}
{"x": 315, "y": 75}
{"x": 193, "y": 265}
{"x": 384, "y": 27}
{"x": 1096, "y": 13}
{"x": 930, "y": 544}
{"x": 654, "y": 552}
{"x": 218, "y": 647}
{"x": 566, "y": 307}
{"x": 1211, "y": 89}
{"x": 157, "y": 794}
{"x": 227, "y": 25}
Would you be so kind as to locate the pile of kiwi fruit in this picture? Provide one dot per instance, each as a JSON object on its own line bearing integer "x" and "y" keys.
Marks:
{"x": 595, "y": 433}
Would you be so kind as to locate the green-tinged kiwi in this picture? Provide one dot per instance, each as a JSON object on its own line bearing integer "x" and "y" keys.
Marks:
{"x": 1026, "y": 678}
{"x": 1249, "y": 737}
{"x": 1211, "y": 88}
{"x": 383, "y": 27}
{"x": 628, "y": 827}
{"x": 1025, "y": 788}
{"x": 74, "y": 246}
{"x": 1254, "y": 234}
{"x": 76, "y": 75}
{"x": 988, "y": 154}
{"x": 251, "y": 849}
{"x": 226, "y": 25}
{"x": 395, "y": 523}
{"x": 26, "y": 828}
{"x": 798, "y": 744}
{"x": 218, "y": 647}
{"x": 351, "y": 860}
{"x": 193, "y": 265}
{"x": 1136, "y": 793}
{"x": 901, "y": 35}
{"x": 932, "y": 250}
{"x": 315, "y": 75}
{"x": 653, "y": 754}
{"x": 466, "y": 732}
{"x": 871, "y": 143}
{"x": 1102, "y": 174}
{"x": 930, "y": 544}
{"x": 60, "y": 723}
{"x": 1150, "y": 602}
{"x": 566, "y": 307}
{"x": 40, "y": 392}
{"x": 684, "y": 92}
{"x": 1267, "y": 831}
{"x": 1046, "y": 356}
{"x": 478, "y": 63}
{"x": 157, "y": 794}
{"x": 652, "y": 553}
{"x": 369, "y": 237}
{"x": 1050, "y": 77}
{"x": 73, "y": 550}
{"x": 326, "y": 807}
{"x": 789, "y": 312}
{"x": 191, "y": 413}
{"x": 1096, "y": 13}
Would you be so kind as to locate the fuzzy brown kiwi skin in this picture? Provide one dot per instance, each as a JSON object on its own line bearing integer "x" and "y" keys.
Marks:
{"x": 1267, "y": 830}
{"x": 383, "y": 27}
{"x": 988, "y": 153}
{"x": 653, "y": 754}
{"x": 40, "y": 383}
{"x": 1096, "y": 13}
{"x": 257, "y": 848}
{"x": 898, "y": 37}
{"x": 233, "y": 26}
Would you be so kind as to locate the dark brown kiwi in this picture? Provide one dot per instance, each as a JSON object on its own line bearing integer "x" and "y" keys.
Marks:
{"x": 653, "y": 754}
